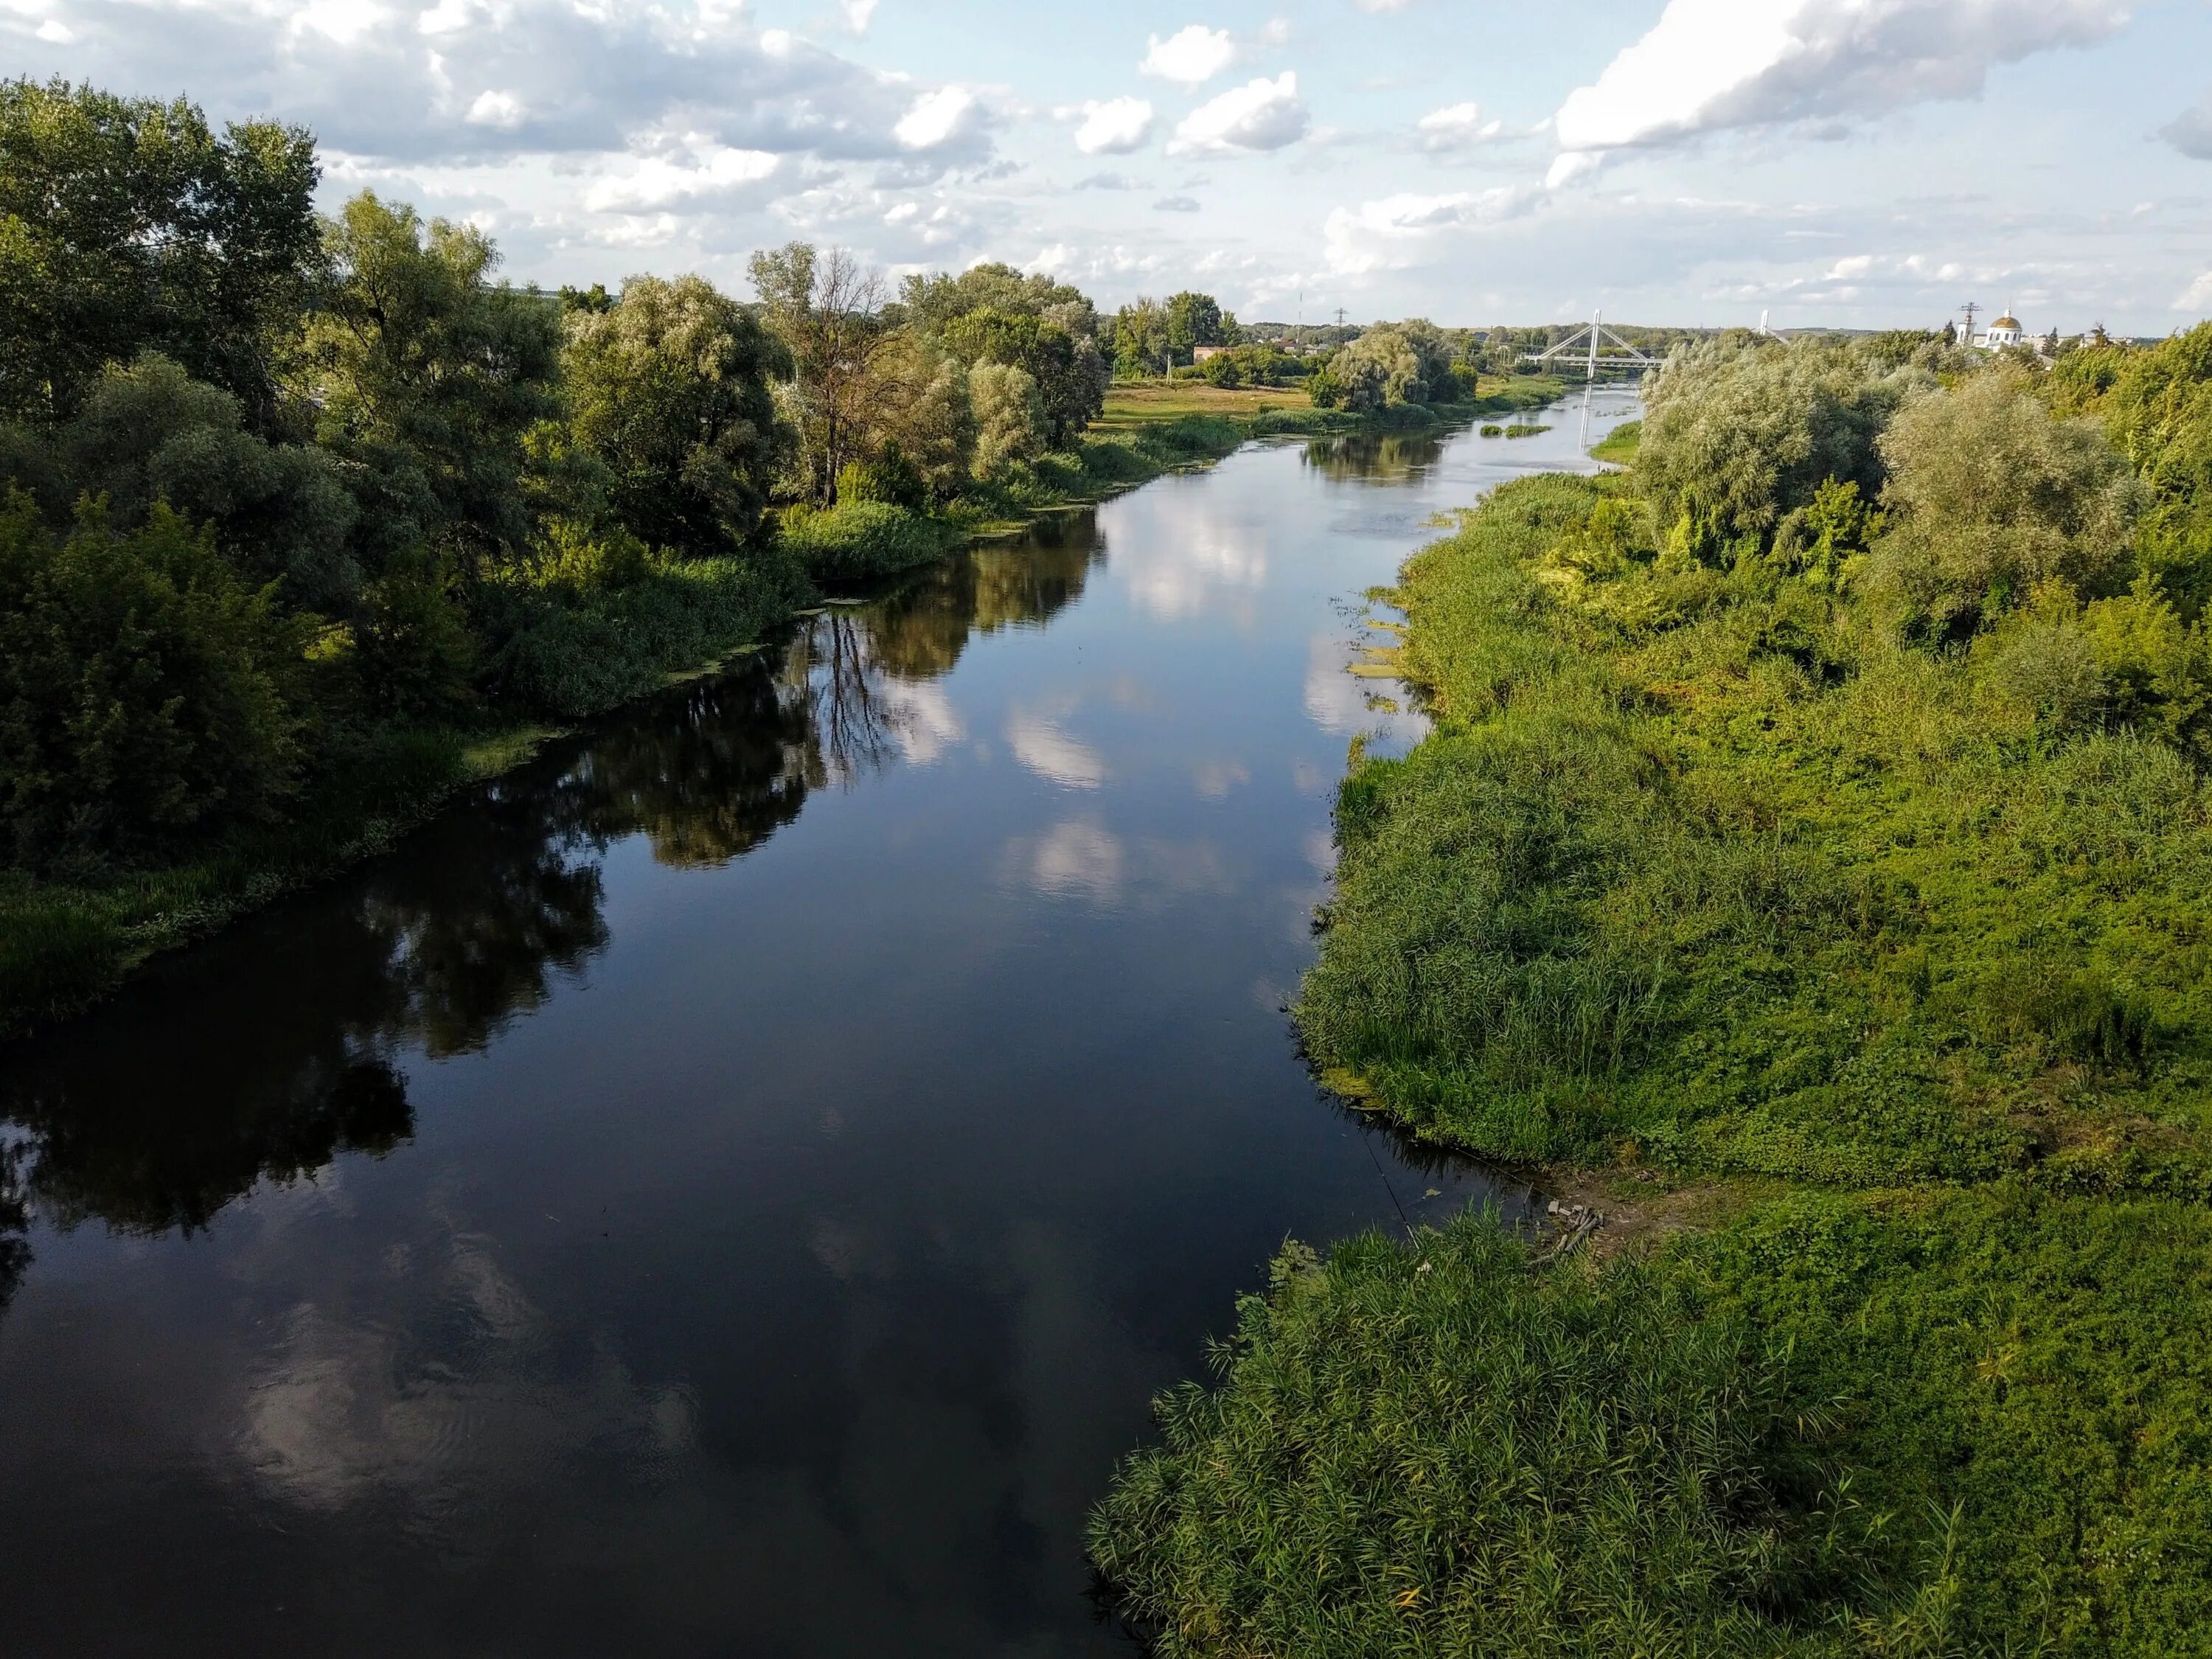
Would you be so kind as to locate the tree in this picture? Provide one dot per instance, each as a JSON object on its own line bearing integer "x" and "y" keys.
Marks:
{"x": 1194, "y": 319}
{"x": 671, "y": 386}
{"x": 1741, "y": 431}
{"x": 1071, "y": 372}
{"x": 149, "y": 433}
{"x": 126, "y": 226}
{"x": 145, "y": 692}
{"x": 1990, "y": 496}
{"x": 924, "y": 411}
{"x": 1140, "y": 339}
{"x": 825, "y": 308}
{"x": 1010, "y": 416}
{"x": 933, "y": 303}
{"x": 430, "y": 381}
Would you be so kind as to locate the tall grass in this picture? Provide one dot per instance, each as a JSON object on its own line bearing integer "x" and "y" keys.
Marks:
{"x": 1705, "y": 872}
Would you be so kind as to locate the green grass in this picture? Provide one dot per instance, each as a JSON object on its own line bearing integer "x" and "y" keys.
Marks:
{"x": 1702, "y": 873}
{"x": 1618, "y": 445}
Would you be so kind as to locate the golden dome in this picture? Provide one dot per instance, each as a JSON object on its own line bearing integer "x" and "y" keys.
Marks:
{"x": 2008, "y": 321}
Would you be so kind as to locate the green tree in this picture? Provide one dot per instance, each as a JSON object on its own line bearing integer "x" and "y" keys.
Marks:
{"x": 1071, "y": 372}
{"x": 149, "y": 433}
{"x": 925, "y": 410}
{"x": 1140, "y": 339}
{"x": 1742, "y": 432}
{"x": 1990, "y": 496}
{"x": 1194, "y": 319}
{"x": 127, "y": 226}
{"x": 1010, "y": 416}
{"x": 827, "y": 309}
{"x": 671, "y": 386}
{"x": 430, "y": 381}
{"x": 145, "y": 692}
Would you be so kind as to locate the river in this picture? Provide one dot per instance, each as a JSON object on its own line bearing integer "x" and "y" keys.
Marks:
{"x": 733, "y": 1185}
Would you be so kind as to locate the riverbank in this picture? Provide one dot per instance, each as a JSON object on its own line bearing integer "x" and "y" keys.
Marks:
{"x": 1871, "y": 999}
{"x": 577, "y": 653}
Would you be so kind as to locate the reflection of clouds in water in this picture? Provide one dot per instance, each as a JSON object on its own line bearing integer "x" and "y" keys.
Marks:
{"x": 1215, "y": 779}
{"x": 1082, "y": 859}
{"x": 343, "y": 1412}
{"x": 922, "y": 718}
{"x": 1041, "y": 746}
{"x": 1077, "y": 859}
{"x": 1335, "y": 700}
{"x": 1180, "y": 555}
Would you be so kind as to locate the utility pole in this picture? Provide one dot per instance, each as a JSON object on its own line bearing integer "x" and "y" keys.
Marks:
{"x": 1340, "y": 316}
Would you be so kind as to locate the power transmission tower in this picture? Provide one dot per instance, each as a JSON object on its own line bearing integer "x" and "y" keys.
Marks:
{"x": 1340, "y": 316}
{"x": 1971, "y": 309}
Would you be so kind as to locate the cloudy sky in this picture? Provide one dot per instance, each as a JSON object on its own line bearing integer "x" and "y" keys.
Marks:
{"x": 1857, "y": 162}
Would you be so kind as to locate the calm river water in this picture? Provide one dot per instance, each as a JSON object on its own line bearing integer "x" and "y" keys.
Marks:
{"x": 733, "y": 1187}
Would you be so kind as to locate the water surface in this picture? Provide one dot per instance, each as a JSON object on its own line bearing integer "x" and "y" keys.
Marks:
{"x": 732, "y": 1187}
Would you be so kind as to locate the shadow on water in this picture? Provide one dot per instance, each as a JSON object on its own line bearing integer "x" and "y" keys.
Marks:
{"x": 265, "y": 1054}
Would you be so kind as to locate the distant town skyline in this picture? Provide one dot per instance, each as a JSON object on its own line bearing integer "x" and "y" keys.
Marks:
{"x": 1834, "y": 163}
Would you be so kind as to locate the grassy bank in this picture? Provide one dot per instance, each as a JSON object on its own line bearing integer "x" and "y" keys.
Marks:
{"x": 1763, "y": 915}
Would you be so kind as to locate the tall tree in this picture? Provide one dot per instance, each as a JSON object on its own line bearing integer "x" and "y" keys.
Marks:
{"x": 827, "y": 309}
{"x": 126, "y": 226}
{"x": 671, "y": 386}
{"x": 429, "y": 377}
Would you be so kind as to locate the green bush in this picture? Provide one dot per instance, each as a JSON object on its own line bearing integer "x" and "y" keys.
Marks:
{"x": 600, "y": 621}
{"x": 146, "y": 695}
{"x": 856, "y": 540}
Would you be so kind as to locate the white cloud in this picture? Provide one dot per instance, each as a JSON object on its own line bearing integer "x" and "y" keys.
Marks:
{"x": 714, "y": 175}
{"x": 857, "y": 15}
{"x": 1460, "y": 126}
{"x": 502, "y": 110}
{"x": 1177, "y": 204}
{"x": 1191, "y": 56}
{"x": 1115, "y": 127}
{"x": 1391, "y": 233}
{"x": 1259, "y": 116}
{"x": 936, "y": 118}
{"x": 1711, "y": 64}
{"x": 2197, "y": 297}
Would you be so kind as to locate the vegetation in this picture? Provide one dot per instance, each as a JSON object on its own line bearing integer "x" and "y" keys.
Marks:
{"x": 1812, "y": 846}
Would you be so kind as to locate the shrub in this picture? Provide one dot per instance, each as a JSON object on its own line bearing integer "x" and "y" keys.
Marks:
{"x": 1737, "y": 434}
{"x": 146, "y": 694}
{"x": 1990, "y": 496}
{"x": 856, "y": 540}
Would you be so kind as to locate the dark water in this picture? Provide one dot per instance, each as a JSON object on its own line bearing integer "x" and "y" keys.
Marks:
{"x": 733, "y": 1188}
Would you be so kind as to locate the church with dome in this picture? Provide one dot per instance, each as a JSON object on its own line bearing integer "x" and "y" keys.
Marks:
{"x": 2004, "y": 331}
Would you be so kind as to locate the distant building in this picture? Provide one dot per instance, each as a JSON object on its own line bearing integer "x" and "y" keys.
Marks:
{"x": 2005, "y": 331}
{"x": 1200, "y": 354}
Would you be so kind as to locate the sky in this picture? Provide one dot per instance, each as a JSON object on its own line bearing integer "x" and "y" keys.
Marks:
{"x": 1852, "y": 163}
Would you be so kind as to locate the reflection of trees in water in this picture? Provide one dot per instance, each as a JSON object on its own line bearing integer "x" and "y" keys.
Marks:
{"x": 919, "y": 632}
{"x": 264, "y": 1053}
{"x": 705, "y": 779}
{"x": 833, "y": 671}
{"x": 14, "y": 1221}
{"x": 1364, "y": 458}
